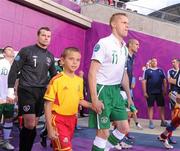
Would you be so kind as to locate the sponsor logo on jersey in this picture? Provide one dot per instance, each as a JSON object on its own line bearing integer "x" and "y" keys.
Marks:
{"x": 97, "y": 48}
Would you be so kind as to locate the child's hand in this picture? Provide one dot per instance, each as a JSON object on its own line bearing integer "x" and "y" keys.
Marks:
{"x": 97, "y": 106}
{"x": 53, "y": 134}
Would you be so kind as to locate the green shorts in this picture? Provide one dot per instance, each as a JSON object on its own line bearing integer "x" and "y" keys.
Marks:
{"x": 114, "y": 107}
{"x": 7, "y": 110}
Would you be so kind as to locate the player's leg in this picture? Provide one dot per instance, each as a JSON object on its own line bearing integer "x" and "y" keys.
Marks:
{"x": 150, "y": 104}
{"x": 101, "y": 121}
{"x": 64, "y": 125}
{"x": 26, "y": 98}
{"x": 119, "y": 117}
{"x": 8, "y": 113}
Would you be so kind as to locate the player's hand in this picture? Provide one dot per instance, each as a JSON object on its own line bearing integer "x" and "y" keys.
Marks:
{"x": 130, "y": 102}
{"x": 10, "y": 100}
{"x": 52, "y": 134}
{"x": 97, "y": 106}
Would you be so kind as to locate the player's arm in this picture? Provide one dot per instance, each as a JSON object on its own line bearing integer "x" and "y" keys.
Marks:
{"x": 13, "y": 74}
{"x": 85, "y": 104}
{"x": 49, "y": 98}
{"x": 125, "y": 85}
{"x": 96, "y": 103}
{"x": 169, "y": 77}
{"x": 52, "y": 134}
{"x": 164, "y": 84}
{"x": 133, "y": 83}
{"x": 144, "y": 84}
{"x": 171, "y": 80}
{"x": 178, "y": 97}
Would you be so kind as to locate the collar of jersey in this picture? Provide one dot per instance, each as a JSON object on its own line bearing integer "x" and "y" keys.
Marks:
{"x": 123, "y": 44}
{"x": 154, "y": 68}
{"x": 64, "y": 74}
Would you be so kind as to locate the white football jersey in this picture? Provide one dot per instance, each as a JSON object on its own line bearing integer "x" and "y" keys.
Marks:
{"x": 4, "y": 71}
{"x": 113, "y": 56}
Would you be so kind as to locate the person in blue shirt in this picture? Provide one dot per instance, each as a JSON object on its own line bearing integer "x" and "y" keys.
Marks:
{"x": 172, "y": 74}
{"x": 133, "y": 46}
{"x": 154, "y": 89}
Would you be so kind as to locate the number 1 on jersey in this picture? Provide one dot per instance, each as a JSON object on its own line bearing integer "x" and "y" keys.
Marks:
{"x": 115, "y": 58}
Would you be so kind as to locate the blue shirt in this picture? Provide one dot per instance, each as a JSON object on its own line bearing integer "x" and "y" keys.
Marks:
{"x": 154, "y": 80}
{"x": 130, "y": 62}
{"x": 178, "y": 82}
{"x": 172, "y": 73}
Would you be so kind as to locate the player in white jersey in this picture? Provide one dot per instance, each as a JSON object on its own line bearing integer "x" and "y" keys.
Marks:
{"x": 107, "y": 72}
{"x": 6, "y": 108}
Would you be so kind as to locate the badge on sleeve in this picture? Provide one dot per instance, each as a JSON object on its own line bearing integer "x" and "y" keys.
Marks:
{"x": 17, "y": 58}
{"x": 97, "y": 47}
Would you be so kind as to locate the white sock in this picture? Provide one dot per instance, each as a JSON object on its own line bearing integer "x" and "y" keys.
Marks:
{"x": 118, "y": 134}
{"x": 99, "y": 142}
{"x": 7, "y": 128}
{"x": 108, "y": 146}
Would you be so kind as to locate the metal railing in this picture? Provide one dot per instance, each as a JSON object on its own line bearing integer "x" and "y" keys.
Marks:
{"x": 156, "y": 14}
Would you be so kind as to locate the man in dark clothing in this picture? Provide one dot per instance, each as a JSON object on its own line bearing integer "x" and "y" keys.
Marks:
{"x": 133, "y": 46}
{"x": 154, "y": 88}
{"x": 33, "y": 63}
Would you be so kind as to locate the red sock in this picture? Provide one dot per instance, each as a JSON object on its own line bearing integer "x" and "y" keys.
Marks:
{"x": 163, "y": 136}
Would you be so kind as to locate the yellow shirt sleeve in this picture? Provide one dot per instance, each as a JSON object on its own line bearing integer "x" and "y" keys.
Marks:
{"x": 51, "y": 91}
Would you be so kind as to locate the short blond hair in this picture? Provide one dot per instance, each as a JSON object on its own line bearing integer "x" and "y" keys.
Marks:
{"x": 114, "y": 16}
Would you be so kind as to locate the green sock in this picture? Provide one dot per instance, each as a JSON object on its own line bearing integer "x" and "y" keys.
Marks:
{"x": 95, "y": 148}
{"x": 113, "y": 140}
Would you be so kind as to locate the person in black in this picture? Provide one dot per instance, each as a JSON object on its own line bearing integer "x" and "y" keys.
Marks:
{"x": 154, "y": 89}
{"x": 33, "y": 63}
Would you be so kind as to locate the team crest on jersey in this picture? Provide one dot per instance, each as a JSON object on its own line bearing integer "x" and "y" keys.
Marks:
{"x": 17, "y": 58}
{"x": 26, "y": 108}
{"x": 48, "y": 61}
{"x": 104, "y": 119}
{"x": 97, "y": 47}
